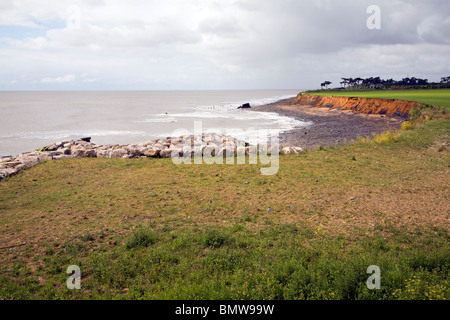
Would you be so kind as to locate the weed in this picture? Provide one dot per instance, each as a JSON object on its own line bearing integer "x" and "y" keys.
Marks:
{"x": 215, "y": 239}
{"x": 417, "y": 289}
{"x": 407, "y": 126}
{"x": 142, "y": 237}
{"x": 49, "y": 251}
{"x": 87, "y": 237}
{"x": 386, "y": 138}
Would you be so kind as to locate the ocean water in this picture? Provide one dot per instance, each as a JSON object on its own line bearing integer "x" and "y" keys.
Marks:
{"x": 31, "y": 120}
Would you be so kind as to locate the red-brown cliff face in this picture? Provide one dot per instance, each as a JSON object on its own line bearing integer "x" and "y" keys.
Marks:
{"x": 390, "y": 107}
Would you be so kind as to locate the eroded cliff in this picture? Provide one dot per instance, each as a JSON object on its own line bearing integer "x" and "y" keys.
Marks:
{"x": 390, "y": 108}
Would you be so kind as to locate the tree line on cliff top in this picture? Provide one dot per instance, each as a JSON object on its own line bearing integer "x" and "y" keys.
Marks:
{"x": 376, "y": 83}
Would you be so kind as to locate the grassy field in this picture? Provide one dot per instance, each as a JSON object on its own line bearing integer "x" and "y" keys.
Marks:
{"x": 432, "y": 97}
{"x": 148, "y": 229}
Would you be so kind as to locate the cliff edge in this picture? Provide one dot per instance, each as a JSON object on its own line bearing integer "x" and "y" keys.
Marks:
{"x": 391, "y": 108}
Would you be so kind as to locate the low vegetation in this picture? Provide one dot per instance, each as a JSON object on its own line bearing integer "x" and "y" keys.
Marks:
{"x": 377, "y": 83}
{"x": 439, "y": 98}
{"x": 148, "y": 229}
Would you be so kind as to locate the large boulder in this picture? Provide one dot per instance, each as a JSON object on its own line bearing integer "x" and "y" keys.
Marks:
{"x": 297, "y": 149}
{"x": 78, "y": 152}
{"x": 3, "y": 174}
{"x": 118, "y": 153}
{"x": 152, "y": 153}
{"x": 166, "y": 153}
{"x": 176, "y": 153}
{"x": 187, "y": 151}
{"x": 211, "y": 150}
{"x": 53, "y": 147}
{"x": 245, "y": 106}
{"x": 226, "y": 152}
{"x": 91, "y": 153}
{"x": 291, "y": 150}
{"x": 9, "y": 164}
{"x": 8, "y": 172}
{"x": 62, "y": 156}
{"x": 134, "y": 151}
{"x": 27, "y": 163}
{"x": 65, "y": 151}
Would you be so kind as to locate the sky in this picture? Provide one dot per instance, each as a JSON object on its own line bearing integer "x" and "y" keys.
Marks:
{"x": 218, "y": 44}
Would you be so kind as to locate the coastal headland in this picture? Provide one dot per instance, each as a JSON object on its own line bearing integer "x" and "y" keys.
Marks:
{"x": 338, "y": 120}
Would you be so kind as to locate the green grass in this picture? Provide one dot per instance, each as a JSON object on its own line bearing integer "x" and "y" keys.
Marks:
{"x": 148, "y": 229}
{"x": 143, "y": 237}
{"x": 439, "y": 97}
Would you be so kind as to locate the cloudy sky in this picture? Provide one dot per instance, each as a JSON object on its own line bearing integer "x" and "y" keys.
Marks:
{"x": 217, "y": 44}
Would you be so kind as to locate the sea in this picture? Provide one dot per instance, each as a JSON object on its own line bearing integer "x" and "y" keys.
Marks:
{"x": 34, "y": 119}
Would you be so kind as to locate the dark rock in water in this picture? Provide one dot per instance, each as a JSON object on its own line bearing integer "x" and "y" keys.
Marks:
{"x": 245, "y": 106}
{"x": 88, "y": 139}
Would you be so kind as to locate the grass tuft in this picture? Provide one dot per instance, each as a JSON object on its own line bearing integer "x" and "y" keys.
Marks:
{"x": 142, "y": 237}
{"x": 407, "y": 126}
{"x": 385, "y": 138}
{"x": 215, "y": 239}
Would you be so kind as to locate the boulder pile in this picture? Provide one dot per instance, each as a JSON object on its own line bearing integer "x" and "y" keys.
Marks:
{"x": 184, "y": 146}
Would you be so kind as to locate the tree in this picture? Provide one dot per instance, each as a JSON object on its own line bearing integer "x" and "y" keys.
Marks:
{"x": 405, "y": 82}
{"x": 325, "y": 84}
{"x": 422, "y": 82}
{"x": 376, "y": 82}
{"x": 358, "y": 81}
{"x": 445, "y": 80}
{"x": 388, "y": 83}
{"x": 347, "y": 82}
{"x": 352, "y": 82}
{"x": 367, "y": 82}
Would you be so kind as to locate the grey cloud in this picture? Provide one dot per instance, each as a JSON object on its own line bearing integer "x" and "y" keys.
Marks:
{"x": 240, "y": 43}
{"x": 287, "y": 29}
{"x": 222, "y": 27}
{"x": 134, "y": 34}
{"x": 435, "y": 30}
